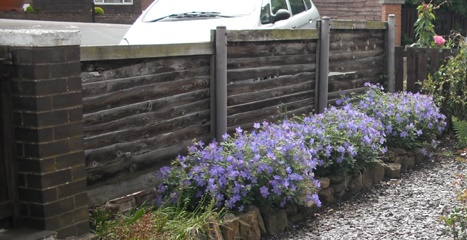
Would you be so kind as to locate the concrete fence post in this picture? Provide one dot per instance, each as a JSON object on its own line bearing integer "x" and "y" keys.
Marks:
{"x": 220, "y": 82}
{"x": 391, "y": 51}
{"x": 323, "y": 64}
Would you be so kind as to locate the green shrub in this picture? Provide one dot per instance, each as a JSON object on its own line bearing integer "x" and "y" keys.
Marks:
{"x": 448, "y": 85}
{"x": 461, "y": 130}
{"x": 30, "y": 9}
{"x": 98, "y": 11}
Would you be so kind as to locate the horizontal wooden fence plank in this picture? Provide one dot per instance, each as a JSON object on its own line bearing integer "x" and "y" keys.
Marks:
{"x": 269, "y": 114}
{"x": 260, "y": 61}
{"x": 125, "y": 166}
{"x": 151, "y": 129}
{"x": 109, "y": 86}
{"x": 271, "y": 35}
{"x": 144, "y": 93}
{"x": 275, "y": 101}
{"x": 270, "y": 82}
{"x": 170, "y": 111}
{"x": 170, "y": 104}
{"x": 97, "y": 53}
{"x": 238, "y": 50}
{"x": 268, "y": 72}
{"x": 270, "y": 93}
{"x": 357, "y": 25}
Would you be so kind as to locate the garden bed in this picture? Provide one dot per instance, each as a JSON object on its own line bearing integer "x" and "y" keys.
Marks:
{"x": 260, "y": 183}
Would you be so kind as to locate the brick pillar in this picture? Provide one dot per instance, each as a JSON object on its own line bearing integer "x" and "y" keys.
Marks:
{"x": 393, "y": 7}
{"x": 47, "y": 106}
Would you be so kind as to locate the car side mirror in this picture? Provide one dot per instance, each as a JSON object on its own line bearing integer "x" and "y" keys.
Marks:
{"x": 280, "y": 15}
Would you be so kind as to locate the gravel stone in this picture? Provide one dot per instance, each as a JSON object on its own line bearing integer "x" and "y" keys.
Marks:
{"x": 405, "y": 208}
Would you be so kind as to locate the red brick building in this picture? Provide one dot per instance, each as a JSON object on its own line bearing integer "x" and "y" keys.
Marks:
{"x": 365, "y": 10}
{"x": 84, "y": 6}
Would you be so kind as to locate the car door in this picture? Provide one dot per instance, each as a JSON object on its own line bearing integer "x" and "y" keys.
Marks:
{"x": 303, "y": 14}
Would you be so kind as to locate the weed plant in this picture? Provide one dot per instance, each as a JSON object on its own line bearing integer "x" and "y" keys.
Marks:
{"x": 172, "y": 221}
{"x": 455, "y": 222}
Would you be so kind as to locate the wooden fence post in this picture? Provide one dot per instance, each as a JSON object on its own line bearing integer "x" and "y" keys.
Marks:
{"x": 323, "y": 62}
{"x": 220, "y": 83}
{"x": 391, "y": 36}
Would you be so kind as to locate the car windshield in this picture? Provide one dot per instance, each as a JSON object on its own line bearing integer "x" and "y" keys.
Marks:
{"x": 189, "y": 8}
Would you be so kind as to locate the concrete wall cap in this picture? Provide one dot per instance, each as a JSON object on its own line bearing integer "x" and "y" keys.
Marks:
{"x": 39, "y": 37}
{"x": 392, "y": 1}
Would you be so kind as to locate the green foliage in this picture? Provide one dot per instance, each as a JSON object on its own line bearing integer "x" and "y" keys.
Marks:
{"x": 448, "y": 85}
{"x": 406, "y": 40}
{"x": 30, "y": 9}
{"x": 98, "y": 11}
{"x": 461, "y": 130}
{"x": 424, "y": 26}
{"x": 456, "y": 221}
{"x": 167, "y": 222}
{"x": 455, "y": 39}
{"x": 455, "y": 6}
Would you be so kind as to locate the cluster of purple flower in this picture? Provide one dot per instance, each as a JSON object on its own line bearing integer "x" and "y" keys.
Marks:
{"x": 347, "y": 139}
{"x": 263, "y": 167}
{"x": 410, "y": 120}
{"x": 275, "y": 162}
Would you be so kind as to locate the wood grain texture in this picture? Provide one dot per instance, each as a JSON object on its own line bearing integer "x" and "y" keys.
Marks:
{"x": 141, "y": 113}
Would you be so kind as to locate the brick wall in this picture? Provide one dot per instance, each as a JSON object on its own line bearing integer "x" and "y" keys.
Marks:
{"x": 134, "y": 8}
{"x": 71, "y": 17}
{"x": 47, "y": 110}
{"x": 72, "y": 6}
{"x": 369, "y": 10}
{"x": 84, "y": 7}
{"x": 395, "y": 9}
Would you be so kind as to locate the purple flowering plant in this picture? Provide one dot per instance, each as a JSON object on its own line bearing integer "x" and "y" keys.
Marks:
{"x": 265, "y": 167}
{"x": 410, "y": 120}
{"x": 275, "y": 164}
{"x": 344, "y": 139}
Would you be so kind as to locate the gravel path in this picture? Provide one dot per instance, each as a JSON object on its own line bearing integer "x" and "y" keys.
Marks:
{"x": 405, "y": 208}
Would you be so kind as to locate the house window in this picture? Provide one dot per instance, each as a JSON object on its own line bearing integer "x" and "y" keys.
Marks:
{"x": 113, "y": 2}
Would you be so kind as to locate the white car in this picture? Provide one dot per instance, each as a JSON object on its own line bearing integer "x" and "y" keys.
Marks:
{"x": 186, "y": 21}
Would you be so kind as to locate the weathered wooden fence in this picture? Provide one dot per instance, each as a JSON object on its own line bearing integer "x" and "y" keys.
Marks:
{"x": 357, "y": 55}
{"x": 419, "y": 63}
{"x": 143, "y": 105}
